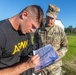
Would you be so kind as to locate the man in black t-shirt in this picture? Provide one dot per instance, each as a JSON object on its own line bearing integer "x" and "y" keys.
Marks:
{"x": 15, "y": 44}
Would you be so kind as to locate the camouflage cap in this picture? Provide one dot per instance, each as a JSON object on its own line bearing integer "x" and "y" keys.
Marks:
{"x": 52, "y": 11}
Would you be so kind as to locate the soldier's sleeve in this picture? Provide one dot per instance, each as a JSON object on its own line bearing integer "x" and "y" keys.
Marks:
{"x": 64, "y": 43}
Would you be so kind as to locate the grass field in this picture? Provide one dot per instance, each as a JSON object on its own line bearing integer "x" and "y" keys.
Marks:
{"x": 69, "y": 61}
{"x": 70, "y": 55}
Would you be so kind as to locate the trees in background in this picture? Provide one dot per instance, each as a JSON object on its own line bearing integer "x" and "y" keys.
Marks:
{"x": 70, "y": 30}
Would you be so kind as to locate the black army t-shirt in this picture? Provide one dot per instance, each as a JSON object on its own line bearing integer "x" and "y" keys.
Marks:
{"x": 13, "y": 45}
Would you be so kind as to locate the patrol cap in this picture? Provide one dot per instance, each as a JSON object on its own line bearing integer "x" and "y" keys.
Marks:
{"x": 52, "y": 11}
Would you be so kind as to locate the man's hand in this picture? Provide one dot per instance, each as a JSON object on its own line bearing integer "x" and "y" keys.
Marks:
{"x": 33, "y": 61}
{"x": 59, "y": 54}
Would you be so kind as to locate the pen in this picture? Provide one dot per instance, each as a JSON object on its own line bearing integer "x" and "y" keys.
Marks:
{"x": 30, "y": 56}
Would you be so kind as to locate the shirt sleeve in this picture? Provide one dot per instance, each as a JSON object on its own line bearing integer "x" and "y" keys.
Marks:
{"x": 64, "y": 43}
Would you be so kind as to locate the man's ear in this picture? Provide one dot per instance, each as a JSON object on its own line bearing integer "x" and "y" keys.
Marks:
{"x": 24, "y": 14}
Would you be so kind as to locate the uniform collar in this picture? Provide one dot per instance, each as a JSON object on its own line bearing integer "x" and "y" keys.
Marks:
{"x": 48, "y": 28}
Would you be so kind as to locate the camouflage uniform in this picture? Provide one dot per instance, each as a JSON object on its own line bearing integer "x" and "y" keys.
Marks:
{"x": 56, "y": 37}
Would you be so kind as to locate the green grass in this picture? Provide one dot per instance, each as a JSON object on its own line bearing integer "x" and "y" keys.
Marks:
{"x": 71, "y": 48}
{"x": 70, "y": 56}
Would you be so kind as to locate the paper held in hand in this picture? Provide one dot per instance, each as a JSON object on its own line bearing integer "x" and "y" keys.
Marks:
{"x": 47, "y": 57}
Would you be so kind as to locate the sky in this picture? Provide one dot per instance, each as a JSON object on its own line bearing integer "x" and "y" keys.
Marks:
{"x": 67, "y": 14}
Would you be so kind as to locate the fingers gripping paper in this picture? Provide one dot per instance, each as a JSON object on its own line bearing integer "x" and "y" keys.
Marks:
{"x": 47, "y": 56}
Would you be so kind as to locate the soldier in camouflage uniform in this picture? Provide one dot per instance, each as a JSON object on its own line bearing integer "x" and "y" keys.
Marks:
{"x": 54, "y": 35}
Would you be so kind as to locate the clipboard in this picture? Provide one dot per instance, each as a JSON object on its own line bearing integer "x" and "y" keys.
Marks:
{"x": 47, "y": 57}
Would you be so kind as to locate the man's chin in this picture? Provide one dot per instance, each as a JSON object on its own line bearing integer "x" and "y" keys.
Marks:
{"x": 49, "y": 25}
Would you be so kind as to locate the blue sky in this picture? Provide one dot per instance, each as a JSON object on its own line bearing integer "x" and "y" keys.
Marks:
{"x": 67, "y": 14}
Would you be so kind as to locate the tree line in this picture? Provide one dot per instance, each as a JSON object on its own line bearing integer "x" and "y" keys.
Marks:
{"x": 70, "y": 30}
